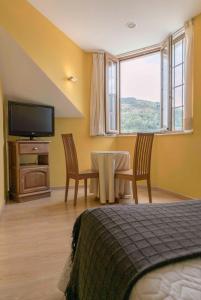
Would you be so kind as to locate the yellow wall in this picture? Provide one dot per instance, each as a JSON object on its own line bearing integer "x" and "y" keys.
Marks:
{"x": 176, "y": 163}
{"x": 80, "y": 129}
{"x": 2, "y": 197}
{"x": 56, "y": 55}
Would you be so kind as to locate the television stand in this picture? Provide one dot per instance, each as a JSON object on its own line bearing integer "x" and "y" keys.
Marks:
{"x": 28, "y": 169}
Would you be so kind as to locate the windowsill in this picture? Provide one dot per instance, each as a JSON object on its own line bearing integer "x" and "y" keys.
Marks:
{"x": 186, "y": 132}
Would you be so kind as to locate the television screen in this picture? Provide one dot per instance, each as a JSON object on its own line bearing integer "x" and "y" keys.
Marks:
{"x": 30, "y": 119}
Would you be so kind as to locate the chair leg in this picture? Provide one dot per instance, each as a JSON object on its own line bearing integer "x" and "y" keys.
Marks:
{"x": 135, "y": 196}
{"x": 85, "y": 189}
{"x": 66, "y": 190}
{"x": 76, "y": 191}
{"x": 149, "y": 189}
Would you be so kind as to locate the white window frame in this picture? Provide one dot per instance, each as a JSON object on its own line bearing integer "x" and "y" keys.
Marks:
{"x": 110, "y": 58}
{"x": 166, "y": 46}
{"x": 168, "y": 43}
{"x": 175, "y": 39}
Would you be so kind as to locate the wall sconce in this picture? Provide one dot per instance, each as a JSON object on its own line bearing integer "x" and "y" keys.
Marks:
{"x": 72, "y": 79}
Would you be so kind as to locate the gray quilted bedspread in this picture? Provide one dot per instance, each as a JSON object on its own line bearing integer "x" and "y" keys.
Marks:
{"x": 113, "y": 246}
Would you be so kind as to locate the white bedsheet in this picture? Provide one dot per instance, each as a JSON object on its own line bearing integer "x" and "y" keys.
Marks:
{"x": 179, "y": 281}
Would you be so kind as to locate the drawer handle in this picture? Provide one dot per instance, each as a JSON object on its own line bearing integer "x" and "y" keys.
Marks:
{"x": 35, "y": 148}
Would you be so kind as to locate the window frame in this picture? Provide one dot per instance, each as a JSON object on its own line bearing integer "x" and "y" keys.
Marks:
{"x": 167, "y": 43}
{"x": 114, "y": 59}
{"x": 180, "y": 36}
{"x": 170, "y": 41}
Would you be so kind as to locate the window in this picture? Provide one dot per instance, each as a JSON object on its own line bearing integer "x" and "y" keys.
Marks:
{"x": 112, "y": 97}
{"x": 145, "y": 90}
{"x": 140, "y": 88}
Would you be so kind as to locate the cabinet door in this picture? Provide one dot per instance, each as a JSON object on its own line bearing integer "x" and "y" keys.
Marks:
{"x": 34, "y": 179}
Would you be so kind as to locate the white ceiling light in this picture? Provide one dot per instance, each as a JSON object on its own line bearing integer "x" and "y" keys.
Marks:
{"x": 131, "y": 25}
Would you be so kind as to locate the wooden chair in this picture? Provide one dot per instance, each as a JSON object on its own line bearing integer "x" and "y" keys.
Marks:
{"x": 141, "y": 164}
{"x": 72, "y": 169}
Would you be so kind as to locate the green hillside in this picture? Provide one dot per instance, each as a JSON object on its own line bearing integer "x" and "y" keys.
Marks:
{"x": 139, "y": 115}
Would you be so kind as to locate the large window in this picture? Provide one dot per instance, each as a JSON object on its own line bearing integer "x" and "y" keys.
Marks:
{"x": 140, "y": 93}
{"x": 145, "y": 90}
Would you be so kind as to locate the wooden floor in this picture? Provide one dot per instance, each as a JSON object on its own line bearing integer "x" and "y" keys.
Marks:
{"x": 35, "y": 239}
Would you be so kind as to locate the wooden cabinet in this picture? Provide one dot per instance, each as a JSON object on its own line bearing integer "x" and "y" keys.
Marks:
{"x": 34, "y": 179}
{"x": 28, "y": 170}
{"x": 33, "y": 148}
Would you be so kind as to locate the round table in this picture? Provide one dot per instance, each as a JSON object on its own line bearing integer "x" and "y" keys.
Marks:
{"x": 106, "y": 163}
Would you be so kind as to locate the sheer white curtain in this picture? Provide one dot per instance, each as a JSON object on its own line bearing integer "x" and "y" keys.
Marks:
{"x": 97, "y": 112}
{"x": 188, "y": 76}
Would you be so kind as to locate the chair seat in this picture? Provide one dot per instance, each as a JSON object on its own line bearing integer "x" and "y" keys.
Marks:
{"x": 128, "y": 174}
{"x": 85, "y": 174}
{"x": 89, "y": 173}
{"x": 124, "y": 173}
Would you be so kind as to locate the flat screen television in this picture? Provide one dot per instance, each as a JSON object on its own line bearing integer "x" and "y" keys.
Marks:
{"x": 30, "y": 120}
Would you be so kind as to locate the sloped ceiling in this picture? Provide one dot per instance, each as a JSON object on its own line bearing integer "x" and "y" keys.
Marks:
{"x": 23, "y": 80}
{"x": 101, "y": 24}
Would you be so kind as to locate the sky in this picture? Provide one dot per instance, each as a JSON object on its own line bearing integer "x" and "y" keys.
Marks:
{"x": 141, "y": 77}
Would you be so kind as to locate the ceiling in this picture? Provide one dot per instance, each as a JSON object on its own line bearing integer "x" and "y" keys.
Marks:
{"x": 23, "y": 80}
{"x": 100, "y": 24}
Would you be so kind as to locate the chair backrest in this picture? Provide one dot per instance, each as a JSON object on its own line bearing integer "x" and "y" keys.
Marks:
{"x": 142, "y": 154}
{"x": 70, "y": 154}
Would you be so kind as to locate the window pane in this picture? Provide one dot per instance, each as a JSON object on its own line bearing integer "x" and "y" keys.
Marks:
{"x": 112, "y": 111}
{"x": 178, "y": 53}
{"x": 178, "y": 85}
{"x": 178, "y": 75}
{"x": 140, "y": 86}
{"x": 165, "y": 86}
{"x": 112, "y": 69}
{"x": 178, "y": 96}
{"x": 111, "y": 96}
{"x": 178, "y": 118}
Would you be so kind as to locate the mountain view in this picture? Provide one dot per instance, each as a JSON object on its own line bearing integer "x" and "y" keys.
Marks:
{"x": 139, "y": 115}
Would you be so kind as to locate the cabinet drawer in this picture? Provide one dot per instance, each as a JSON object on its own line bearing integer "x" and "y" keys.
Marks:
{"x": 34, "y": 179}
{"x": 33, "y": 148}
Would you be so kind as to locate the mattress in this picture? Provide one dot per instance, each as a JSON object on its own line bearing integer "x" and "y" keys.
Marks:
{"x": 178, "y": 281}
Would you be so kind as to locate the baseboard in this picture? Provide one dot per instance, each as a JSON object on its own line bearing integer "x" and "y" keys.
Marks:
{"x": 171, "y": 193}
{"x": 154, "y": 188}
{"x": 56, "y": 188}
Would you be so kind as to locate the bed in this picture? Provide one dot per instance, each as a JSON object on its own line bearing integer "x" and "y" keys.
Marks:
{"x": 136, "y": 252}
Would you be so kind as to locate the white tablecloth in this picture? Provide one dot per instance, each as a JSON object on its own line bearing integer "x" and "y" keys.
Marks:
{"x": 106, "y": 162}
